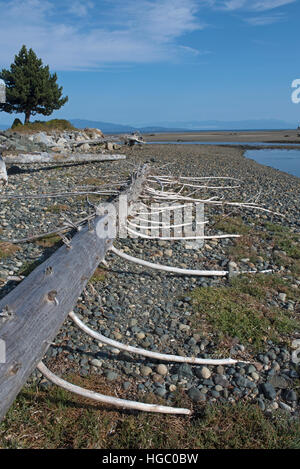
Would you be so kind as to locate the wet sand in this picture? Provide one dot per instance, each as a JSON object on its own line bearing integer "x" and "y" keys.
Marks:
{"x": 267, "y": 136}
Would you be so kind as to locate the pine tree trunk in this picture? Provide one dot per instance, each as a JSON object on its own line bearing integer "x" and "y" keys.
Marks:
{"x": 27, "y": 117}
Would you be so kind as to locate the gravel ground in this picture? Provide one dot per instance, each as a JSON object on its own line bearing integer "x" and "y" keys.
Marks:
{"x": 150, "y": 309}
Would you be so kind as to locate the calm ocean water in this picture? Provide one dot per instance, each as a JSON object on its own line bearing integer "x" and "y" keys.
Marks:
{"x": 284, "y": 160}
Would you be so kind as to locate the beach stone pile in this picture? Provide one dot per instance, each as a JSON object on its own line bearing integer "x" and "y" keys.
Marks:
{"x": 85, "y": 141}
{"x": 152, "y": 310}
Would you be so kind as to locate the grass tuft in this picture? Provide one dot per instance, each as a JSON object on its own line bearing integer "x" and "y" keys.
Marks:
{"x": 232, "y": 225}
{"x": 242, "y": 310}
{"x": 99, "y": 276}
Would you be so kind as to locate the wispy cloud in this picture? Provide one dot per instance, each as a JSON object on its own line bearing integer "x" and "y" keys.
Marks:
{"x": 82, "y": 35}
{"x": 80, "y": 8}
{"x": 265, "y": 5}
{"x": 264, "y": 19}
{"x": 251, "y": 5}
{"x": 257, "y": 7}
{"x": 233, "y": 4}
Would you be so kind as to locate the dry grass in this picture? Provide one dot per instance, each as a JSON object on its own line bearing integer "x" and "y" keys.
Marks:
{"x": 92, "y": 181}
{"x": 54, "y": 418}
{"x": 57, "y": 208}
{"x": 7, "y": 249}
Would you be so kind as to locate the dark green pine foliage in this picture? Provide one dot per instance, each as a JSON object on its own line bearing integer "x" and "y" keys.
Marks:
{"x": 30, "y": 87}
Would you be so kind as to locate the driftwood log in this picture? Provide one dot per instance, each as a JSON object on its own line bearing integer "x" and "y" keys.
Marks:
{"x": 57, "y": 158}
{"x": 34, "y": 311}
{"x": 3, "y": 173}
{"x": 97, "y": 141}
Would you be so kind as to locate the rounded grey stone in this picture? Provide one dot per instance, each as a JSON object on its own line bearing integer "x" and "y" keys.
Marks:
{"x": 196, "y": 395}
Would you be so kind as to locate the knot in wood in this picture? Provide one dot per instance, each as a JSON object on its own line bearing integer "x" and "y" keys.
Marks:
{"x": 7, "y": 313}
{"x": 51, "y": 296}
{"x": 49, "y": 270}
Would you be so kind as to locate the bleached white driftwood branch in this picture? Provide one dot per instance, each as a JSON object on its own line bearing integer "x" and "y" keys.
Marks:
{"x": 165, "y": 268}
{"x": 55, "y": 195}
{"x": 177, "y": 270}
{"x": 124, "y": 404}
{"x": 184, "y": 238}
{"x": 147, "y": 353}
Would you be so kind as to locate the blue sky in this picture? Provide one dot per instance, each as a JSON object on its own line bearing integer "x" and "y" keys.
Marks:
{"x": 145, "y": 61}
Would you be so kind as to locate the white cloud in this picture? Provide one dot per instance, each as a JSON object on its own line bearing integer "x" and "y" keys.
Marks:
{"x": 79, "y": 8}
{"x": 80, "y": 35}
{"x": 74, "y": 36}
{"x": 270, "y": 4}
{"x": 264, "y": 20}
{"x": 251, "y": 5}
{"x": 162, "y": 20}
{"x": 234, "y": 4}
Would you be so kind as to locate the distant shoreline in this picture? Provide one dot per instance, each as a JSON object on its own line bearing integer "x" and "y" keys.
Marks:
{"x": 266, "y": 136}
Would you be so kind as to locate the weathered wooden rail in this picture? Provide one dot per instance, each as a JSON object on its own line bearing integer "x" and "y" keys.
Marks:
{"x": 34, "y": 311}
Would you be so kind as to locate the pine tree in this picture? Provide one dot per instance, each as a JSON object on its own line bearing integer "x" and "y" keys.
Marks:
{"x": 30, "y": 87}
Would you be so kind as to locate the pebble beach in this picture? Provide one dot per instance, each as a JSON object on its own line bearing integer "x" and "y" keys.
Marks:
{"x": 156, "y": 310}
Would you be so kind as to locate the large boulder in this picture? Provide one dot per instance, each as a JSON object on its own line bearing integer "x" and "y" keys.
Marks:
{"x": 41, "y": 137}
{"x": 93, "y": 133}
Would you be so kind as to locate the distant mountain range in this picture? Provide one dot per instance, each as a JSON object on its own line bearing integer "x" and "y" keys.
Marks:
{"x": 213, "y": 125}
{"x": 106, "y": 127}
{"x": 166, "y": 126}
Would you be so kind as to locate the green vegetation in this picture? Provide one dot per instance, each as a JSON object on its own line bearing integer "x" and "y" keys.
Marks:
{"x": 242, "y": 311}
{"x": 49, "y": 241}
{"x": 16, "y": 123}
{"x": 285, "y": 244}
{"x": 284, "y": 240}
{"x": 243, "y": 248}
{"x": 30, "y": 87}
{"x": 54, "y": 418}
{"x": 42, "y": 126}
{"x": 99, "y": 276}
{"x": 232, "y": 225}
